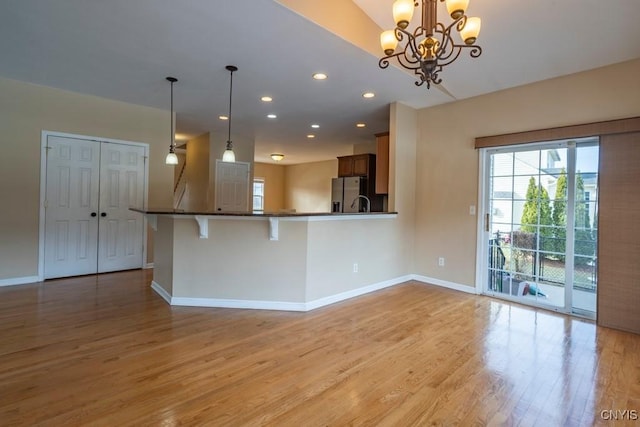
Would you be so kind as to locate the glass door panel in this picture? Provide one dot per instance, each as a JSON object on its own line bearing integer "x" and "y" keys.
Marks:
{"x": 528, "y": 206}
{"x": 586, "y": 229}
{"x": 523, "y": 262}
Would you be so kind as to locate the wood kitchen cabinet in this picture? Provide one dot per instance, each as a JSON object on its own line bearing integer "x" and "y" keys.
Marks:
{"x": 362, "y": 165}
{"x": 357, "y": 165}
{"x": 345, "y": 166}
{"x": 382, "y": 163}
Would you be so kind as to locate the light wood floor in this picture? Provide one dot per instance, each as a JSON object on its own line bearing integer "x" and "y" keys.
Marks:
{"x": 108, "y": 351}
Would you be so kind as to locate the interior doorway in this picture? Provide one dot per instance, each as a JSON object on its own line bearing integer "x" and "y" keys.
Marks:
{"x": 88, "y": 187}
{"x": 541, "y": 224}
{"x": 232, "y": 186}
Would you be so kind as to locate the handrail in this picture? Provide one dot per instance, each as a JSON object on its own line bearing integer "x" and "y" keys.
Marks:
{"x": 184, "y": 165}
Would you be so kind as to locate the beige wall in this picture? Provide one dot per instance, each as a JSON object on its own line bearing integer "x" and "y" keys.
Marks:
{"x": 447, "y": 163}
{"x": 164, "y": 248}
{"x": 403, "y": 137}
{"x": 25, "y": 111}
{"x": 308, "y": 186}
{"x": 333, "y": 247}
{"x": 197, "y": 197}
{"x": 343, "y": 18}
{"x": 273, "y": 176}
{"x": 313, "y": 258}
{"x": 366, "y": 147}
{"x": 238, "y": 261}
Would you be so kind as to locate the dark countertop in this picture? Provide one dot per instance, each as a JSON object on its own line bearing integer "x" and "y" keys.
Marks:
{"x": 161, "y": 211}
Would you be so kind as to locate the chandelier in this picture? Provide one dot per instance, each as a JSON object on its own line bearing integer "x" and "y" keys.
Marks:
{"x": 431, "y": 46}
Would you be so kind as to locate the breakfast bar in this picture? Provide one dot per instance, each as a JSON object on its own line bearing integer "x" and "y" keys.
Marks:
{"x": 278, "y": 261}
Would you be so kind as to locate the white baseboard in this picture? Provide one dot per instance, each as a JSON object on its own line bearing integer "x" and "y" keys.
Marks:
{"x": 304, "y": 306}
{"x": 148, "y": 266}
{"x": 19, "y": 280}
{"x": 444, "y": 284}
{"x": 160, "y": 291}
{"x": 235, "y": 303}
{"x": 275, "y": 305}
{"x": 332, "y": 299}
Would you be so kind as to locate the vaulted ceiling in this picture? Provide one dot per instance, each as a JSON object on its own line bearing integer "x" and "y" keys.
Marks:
{"x": 123, "y": 50}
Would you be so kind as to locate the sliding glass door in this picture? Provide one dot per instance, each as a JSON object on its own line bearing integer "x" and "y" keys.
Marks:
{"x": 541, "y": 224}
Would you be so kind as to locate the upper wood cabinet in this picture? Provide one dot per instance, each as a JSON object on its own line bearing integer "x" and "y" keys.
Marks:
{"x": 382, "y": 163}
{"x": 357, "y": 165}
{"x": 345, "y": 166}
{"x": 361, "y": 164}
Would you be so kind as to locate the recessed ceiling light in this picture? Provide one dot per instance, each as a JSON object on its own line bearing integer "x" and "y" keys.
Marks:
{"x": 310, "y": 136}
{"x": 368, "y": 95}
{"x": 271, "y": 116}
{"x": 266, "y": 99}
{"x": 360, "y": 125}
{"x": 320, "y": 76}
{"x": 223, "y": 117}
{"x": 315, "y": 126}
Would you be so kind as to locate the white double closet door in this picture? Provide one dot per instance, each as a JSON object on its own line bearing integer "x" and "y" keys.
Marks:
{"x": 90, "y": 186}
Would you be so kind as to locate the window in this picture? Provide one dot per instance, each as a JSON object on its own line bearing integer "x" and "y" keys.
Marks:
{"x": 258, "y": 195}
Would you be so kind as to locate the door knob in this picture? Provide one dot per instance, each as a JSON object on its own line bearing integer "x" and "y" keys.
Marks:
{"x": 103, "y": 214}
{"x": 94, "y": 214}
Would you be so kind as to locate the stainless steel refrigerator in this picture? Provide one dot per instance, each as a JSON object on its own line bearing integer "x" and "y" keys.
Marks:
{"x": 345, "y": 192}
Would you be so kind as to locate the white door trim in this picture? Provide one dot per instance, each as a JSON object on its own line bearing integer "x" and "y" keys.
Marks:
{"x": 43, "y": 188}
{"x": 481, "y": 211}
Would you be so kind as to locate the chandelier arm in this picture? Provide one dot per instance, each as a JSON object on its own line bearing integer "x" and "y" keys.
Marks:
{"x": 402, "y": 58}
{"x": 384, "y": 62}
{"x": 460, "y": 23}
{"x": 446, "y": 60}
{"x": 408, "y": 62}
{"x": 410, "y": 44}
{"x": 447, "y": 48}
{"x": 475, "y": 51}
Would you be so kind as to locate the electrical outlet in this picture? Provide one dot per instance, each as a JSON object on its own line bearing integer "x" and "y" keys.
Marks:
{"x": 441, "y": 262}
{"x": 472, "y": 210}
{"x": 355, "y": 267}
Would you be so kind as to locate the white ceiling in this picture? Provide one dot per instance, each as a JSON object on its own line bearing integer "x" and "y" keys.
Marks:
{"x": 123, "y": 50}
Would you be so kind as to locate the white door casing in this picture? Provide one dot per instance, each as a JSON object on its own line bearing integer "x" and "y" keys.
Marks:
{"x": 232, "y": 186}
{"x": 89, "y": 187}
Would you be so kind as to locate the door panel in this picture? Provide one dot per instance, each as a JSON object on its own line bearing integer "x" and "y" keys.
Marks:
{"x": 122, "y": 187}
{"x": 232, "y": 187}
{"x": 71, "y": 232}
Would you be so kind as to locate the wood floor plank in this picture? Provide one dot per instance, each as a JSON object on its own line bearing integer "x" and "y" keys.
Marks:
{"x": 106, "y": 350}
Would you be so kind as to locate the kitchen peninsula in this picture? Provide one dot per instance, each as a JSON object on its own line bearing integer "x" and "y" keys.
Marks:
{"x": 280, "y": 261}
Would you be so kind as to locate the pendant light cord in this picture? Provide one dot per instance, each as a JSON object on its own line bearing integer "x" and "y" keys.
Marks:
{"x": 230, "y": 93}
{"x": 173, "y": 142}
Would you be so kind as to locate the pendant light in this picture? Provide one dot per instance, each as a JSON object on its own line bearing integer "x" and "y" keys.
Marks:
{"x": 172, "y": 159}
{"x": 228, "y": 155}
